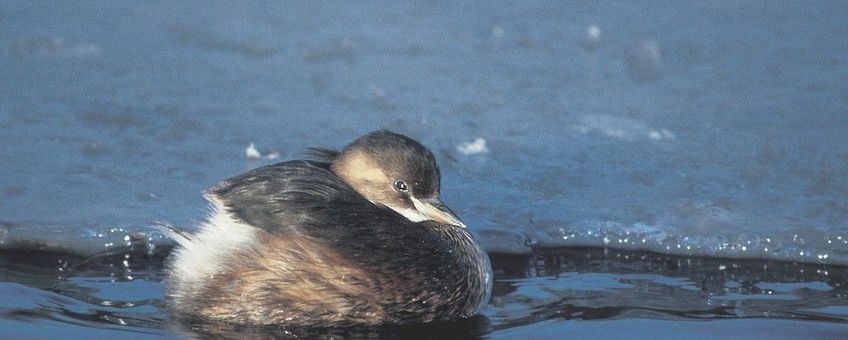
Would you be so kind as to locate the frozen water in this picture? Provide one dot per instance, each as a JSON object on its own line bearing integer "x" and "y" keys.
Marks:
{"x": 252, "y": 153}
{"x": 478, "y": 146}
{"x": 712, "y": 129}
{"x": 592, "y": 37}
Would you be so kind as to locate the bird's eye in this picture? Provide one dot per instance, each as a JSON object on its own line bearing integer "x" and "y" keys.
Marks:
{"x": 401, "y": 186}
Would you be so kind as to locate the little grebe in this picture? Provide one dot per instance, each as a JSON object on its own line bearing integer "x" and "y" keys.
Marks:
{"x": 357, "y": 237}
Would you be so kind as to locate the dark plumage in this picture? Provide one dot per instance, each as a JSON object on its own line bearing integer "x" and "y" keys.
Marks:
{"x": 334, "y": 240}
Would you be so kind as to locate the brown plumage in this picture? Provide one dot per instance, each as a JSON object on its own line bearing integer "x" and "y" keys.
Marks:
{"x": 357, "y": 237}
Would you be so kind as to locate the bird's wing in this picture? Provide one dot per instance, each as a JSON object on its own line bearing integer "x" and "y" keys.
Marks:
{"x": 287, "y": 195}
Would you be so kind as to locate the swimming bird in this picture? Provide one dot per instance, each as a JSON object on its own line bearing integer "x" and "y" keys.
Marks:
{"x": 352, "y": 237}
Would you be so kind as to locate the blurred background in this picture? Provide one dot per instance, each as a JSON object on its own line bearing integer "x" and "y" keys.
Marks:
{"x": 699, "y": 128}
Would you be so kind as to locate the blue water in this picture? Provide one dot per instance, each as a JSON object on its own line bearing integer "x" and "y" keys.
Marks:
{"x": 701, "y": 130}
{"x": 549, "y": 293}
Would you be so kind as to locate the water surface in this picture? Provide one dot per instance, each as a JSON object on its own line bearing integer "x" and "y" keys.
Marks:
{"x": 710, "y": 131}
{"x": 548, "y": 293}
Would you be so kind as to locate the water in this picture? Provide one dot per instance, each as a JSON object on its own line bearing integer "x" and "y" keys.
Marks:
{"x": 711, "y": 130}
{"x": 548, "y": 293}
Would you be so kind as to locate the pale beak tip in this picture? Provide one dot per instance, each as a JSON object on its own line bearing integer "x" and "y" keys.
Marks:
{"x": 437, "y": 211}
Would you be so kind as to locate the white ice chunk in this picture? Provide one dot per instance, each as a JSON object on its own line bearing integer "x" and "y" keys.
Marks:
{"x": 252, "y": 153}
{"x": 592, "y": 37}
{"x": 478, "y": 146}
{"x": 272, "y": 155}
{"x": 622, "y": 128}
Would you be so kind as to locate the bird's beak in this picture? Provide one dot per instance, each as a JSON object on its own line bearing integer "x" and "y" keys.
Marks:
{"x": 437, "y": 211}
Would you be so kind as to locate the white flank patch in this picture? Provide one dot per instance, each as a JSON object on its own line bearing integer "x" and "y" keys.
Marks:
{"x": 201, "y": 257}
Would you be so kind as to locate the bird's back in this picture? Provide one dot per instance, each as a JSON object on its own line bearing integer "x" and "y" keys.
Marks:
{"x": 307, "y": 249}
